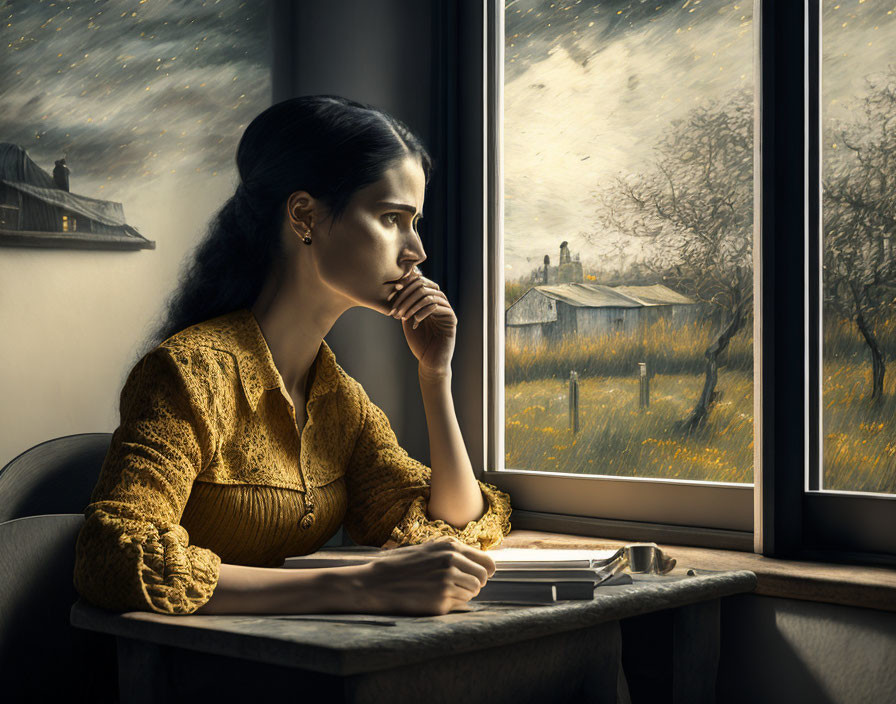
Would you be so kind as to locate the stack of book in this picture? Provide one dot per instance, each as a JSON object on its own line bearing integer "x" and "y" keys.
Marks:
{"x": 545, "y": 575}
{"x": 522, "y": 575}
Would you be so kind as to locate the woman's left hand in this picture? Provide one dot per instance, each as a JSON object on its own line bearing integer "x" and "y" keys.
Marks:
{"x": 430, "y": 325}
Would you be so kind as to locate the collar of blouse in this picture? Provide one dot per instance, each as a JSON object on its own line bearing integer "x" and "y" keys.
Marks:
{"x": 256, "y": 365}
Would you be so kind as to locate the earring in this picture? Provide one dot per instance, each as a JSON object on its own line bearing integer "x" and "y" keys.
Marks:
{"x": 306, "y": 239}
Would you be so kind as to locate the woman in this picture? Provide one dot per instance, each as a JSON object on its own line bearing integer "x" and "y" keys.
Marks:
{"x": 242, "y": 441}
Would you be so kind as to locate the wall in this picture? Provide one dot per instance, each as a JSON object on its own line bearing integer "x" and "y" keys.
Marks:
{"x": 790, "y": 652}
{"x": 72, "y": 320}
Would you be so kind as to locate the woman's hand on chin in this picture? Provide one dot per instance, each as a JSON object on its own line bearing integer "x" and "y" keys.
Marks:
{"x": 429, "y": 323}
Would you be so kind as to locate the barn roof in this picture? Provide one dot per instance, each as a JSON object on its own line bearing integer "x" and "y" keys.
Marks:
{"x": 105, "y": 211}
{"x": 589, "y": 295}
{"x": 655, "y": 295}
{"x": 584, "y": 295}
{"x": 16, "y": 165}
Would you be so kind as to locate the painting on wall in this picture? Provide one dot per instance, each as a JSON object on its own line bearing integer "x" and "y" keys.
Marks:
{"x": 104, "y": 102}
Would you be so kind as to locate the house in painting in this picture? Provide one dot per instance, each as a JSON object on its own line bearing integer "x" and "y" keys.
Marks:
{"x": 550, "y": 313}
{"x": 38, "y": 210}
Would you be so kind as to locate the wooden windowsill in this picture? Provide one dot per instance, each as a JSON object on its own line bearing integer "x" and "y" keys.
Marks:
{"x": 849, "y": 585}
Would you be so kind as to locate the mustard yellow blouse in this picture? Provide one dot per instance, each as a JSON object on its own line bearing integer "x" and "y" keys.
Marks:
{"x": 207, "y": 467}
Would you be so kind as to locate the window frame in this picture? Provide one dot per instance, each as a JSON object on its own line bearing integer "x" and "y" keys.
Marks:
{"x": 708, "y": 514}
{"x": 841, "y": 525}
{"x": 777, "y": 515}
{"x": 794, "y": 520}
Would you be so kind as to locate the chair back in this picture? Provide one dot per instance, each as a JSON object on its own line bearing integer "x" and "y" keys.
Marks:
{"x": 46, "y": 659}
{"x": 56, "y": 476}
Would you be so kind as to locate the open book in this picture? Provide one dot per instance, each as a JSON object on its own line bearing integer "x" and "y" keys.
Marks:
{"x": 531, "y": 575}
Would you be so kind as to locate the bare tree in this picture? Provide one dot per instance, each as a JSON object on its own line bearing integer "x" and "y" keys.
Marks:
{"x": 859, "y": 207}
{"x": 694, "y": 205}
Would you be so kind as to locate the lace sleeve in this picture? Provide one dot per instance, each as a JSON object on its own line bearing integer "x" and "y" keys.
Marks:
{"x": 388, "y": 494}
{"x": 132, "y": 554}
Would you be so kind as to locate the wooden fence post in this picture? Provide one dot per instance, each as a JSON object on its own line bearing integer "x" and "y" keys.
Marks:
{"x": 644, "y": 399}
{"x": 574, "y": 402}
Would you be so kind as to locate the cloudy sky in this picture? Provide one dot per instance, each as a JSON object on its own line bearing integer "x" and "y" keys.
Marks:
{"x": 591, "y": 85}
{"x": 146, "y": 97}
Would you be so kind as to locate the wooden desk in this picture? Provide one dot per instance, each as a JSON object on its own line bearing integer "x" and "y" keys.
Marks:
{"x": 568, "y": 651}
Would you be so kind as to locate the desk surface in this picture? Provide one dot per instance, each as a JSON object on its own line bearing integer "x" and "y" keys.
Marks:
{"x": 367, "y": 642}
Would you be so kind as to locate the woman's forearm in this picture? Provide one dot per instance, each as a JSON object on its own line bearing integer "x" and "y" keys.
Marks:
{"x": 270, "y": 590}
{"x": 455, "y": 496}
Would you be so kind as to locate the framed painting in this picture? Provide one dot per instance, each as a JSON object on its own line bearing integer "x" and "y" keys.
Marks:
{"x": 104, "y": 102}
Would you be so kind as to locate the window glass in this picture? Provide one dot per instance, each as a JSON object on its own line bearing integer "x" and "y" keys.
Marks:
{"x": 628, "y": 235}
{"x": 858, "y": 279}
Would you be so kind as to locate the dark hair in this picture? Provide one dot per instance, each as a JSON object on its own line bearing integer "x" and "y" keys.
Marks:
{"x": 327, "y": 145}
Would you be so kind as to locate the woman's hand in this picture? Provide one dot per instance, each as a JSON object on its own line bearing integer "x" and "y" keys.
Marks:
{"x": 429, "y": 322}
{"x": 428, "y": 579}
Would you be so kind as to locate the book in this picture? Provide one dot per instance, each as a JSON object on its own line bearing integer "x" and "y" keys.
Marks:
{"x": 544, "y": 591}
{"x": 336, "y": 557}
{"x": 530, "y": 575}
{"x": 505, "y": 558}
{"x": 583, "y": 574}
{"x": 552, "y": 558}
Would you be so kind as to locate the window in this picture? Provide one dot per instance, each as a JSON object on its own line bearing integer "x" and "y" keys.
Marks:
{"x": 9, "y": 208}
{"x": 632, "y": 126}
{"x": 858, "y": 268}
{"x": 848, "y": 487}
{"x": 617, "y": 120}
{"x": 69, "y": 223}
{"x": 9, "y": 216}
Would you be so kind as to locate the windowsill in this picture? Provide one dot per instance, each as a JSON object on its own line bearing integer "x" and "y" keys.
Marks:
{"x": 848, "y": 585}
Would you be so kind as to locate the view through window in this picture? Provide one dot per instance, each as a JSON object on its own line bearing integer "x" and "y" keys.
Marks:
{"x": 858, "y": 280}
{"x": 628, "y": 238}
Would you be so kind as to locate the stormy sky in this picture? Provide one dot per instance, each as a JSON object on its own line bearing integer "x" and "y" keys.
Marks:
{"x": 590, "y": 87}
{"x": 143, "y": 96}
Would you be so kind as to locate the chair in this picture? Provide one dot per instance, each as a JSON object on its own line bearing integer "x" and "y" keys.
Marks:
{"x": 45, "y": 659}
{"x": 56, "y": 476}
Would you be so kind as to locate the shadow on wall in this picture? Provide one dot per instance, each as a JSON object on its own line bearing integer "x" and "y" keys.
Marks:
{"x": 783, "y": 650}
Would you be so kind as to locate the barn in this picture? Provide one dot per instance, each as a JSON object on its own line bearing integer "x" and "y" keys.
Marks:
{"x": 37, "y": 209}
{"x": 552, "y": 312}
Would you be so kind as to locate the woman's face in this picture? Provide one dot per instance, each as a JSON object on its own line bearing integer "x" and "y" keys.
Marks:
{"x": 376, "y": 241}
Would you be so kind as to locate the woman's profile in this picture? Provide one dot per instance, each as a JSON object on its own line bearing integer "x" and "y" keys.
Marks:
{"x": 242, "y": 441}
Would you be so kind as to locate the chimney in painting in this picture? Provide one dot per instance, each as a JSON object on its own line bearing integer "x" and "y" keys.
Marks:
{"x": 547, "y": 267}
{"x": 60, "y": 174}
{"x": 564, "y": 252}
{"x": 569, "y": 270}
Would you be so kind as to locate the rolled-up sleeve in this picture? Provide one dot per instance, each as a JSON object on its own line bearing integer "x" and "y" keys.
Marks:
{"x": 388, "y": 493}
{"x": 132, "y": 554}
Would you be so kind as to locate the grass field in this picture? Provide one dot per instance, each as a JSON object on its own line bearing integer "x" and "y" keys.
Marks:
{"x": 859, "y": 437}
{"x": 665, "y": 349}
{"x": 616, "y": 438}
{"x": 859, "y": 440}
